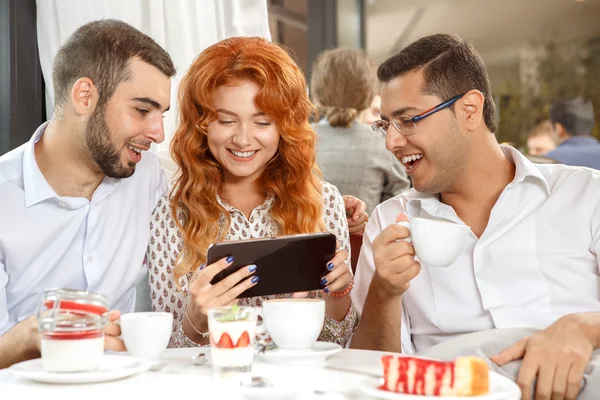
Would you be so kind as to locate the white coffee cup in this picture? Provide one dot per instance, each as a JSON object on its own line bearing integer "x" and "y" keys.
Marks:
{"x": 146, "y": 334}
{"x": 294, "y": 323}
{"x": 437, "y": 243}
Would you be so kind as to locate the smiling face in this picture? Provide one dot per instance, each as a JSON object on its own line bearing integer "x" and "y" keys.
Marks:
{"x": 243, "y": 139}
{"x": 130, "y": 121}
{"x": 438, "y": 152}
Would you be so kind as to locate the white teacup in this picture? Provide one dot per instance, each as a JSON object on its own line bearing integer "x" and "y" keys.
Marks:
{"x": 294, "y": 323}
{"x": 146, "y": 334}
{"x": 437, "y": 243}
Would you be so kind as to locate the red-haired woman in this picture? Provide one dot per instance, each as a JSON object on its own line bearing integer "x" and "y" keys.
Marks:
{"x": 246, "y": 154}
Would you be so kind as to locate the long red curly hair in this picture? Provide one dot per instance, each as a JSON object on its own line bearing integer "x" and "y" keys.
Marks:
{"x": 292, "y": 176}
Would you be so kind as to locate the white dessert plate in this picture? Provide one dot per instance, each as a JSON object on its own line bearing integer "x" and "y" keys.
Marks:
{"x": 501, "y": 388}
{"x": 113, "y": 367}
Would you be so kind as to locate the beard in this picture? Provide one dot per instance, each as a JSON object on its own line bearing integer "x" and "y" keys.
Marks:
{"x": 451, "y": 157}
{"x": 103, "y": 151}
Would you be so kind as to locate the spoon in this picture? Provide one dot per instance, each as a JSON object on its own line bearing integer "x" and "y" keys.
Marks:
{"x": 199, "y": 359}
{"x": 264, "y": 346}
{"x": 255, "y": 381}
{"x": 158, "y": 365}
{"x": 259, "y": 388}
{"x": 260, "y": 382}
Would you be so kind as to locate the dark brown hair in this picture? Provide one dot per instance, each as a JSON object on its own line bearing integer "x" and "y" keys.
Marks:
{"x": 450, "y": 67}
{"x": 342, "y": 84}
{"x": 101, "y": 50}
{"x": 576, "y": 115}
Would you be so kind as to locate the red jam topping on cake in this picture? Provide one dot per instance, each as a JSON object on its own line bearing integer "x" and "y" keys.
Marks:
{"x": 466, "y": 376}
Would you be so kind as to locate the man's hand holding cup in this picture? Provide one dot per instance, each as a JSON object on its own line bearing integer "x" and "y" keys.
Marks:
{"x": 394, "y": 257}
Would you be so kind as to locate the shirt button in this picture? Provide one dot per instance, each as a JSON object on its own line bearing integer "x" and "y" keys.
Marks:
{"x": 90, "y": 258}
{"x": 62, "y": 204}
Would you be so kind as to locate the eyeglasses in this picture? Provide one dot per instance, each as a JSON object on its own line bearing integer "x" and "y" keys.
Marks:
{"x": 407, "y": 125}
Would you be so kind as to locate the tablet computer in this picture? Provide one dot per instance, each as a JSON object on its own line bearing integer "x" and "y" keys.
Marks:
{"x": 284, "y": 264}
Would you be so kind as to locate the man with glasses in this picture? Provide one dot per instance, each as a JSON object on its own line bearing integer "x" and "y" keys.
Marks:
{"x": 531, "y": 259}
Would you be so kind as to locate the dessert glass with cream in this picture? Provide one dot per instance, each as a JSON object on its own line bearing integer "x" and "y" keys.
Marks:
{"x": 232, "y": 334}
{"x": 71, "y": 324}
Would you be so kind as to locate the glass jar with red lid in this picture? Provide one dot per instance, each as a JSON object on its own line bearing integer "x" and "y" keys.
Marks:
{"x": 71, "y": 324}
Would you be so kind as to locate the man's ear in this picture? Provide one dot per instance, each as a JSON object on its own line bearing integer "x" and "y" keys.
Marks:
{"x": 561, "y": 132}
{"x": 470, "y": 107}
{"x": 84, "y": 96}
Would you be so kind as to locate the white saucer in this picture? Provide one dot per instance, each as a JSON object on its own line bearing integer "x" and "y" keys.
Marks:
{"x": 319, "y": 352}
{"x": 501, "y": 388}
{"x": 113, "y": 367}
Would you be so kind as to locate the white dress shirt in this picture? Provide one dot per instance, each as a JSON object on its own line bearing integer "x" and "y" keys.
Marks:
{"x": 52, "y": 241}
{"x": 536, "y": 261}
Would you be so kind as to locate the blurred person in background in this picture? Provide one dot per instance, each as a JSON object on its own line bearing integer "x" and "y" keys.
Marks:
{"x": 349, "y": 154}
{"x": 373, "y": 113}
{"x": 542, "y": 139}
{"x": 573, "y": 119}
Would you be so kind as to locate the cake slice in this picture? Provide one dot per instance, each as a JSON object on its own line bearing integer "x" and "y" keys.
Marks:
{"x": 466, "y": 376}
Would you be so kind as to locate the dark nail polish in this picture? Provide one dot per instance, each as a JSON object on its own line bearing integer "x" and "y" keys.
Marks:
{"x": 202, "y": 267}
{"x": 326, "y": 290}
{"x": 330, "y": 266}
{"x": 254, "y": 279}
{"x": 229, "y": 259}
{"x": 252, "y": 268}
{"x": 324, "y": 281}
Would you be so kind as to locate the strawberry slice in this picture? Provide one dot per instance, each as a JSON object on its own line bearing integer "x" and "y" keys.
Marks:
{"x": 225, "y": 342}
{"x": 244, "y": 340}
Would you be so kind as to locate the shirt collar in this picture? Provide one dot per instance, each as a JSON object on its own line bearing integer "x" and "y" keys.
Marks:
{"x": 106, "y": 187}
{"x": 36, "y": 187}
{"x": 264, "y": 206}
{"x": 525, "y": 170}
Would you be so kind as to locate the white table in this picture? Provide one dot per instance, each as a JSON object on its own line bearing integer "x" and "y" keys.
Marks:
{"x": 182, "y": 380}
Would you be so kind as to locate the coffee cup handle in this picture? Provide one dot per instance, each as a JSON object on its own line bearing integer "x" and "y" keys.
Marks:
{"x": 405, "y": 224}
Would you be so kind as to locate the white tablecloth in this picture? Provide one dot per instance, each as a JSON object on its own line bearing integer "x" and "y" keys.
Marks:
{"x": 182, "y": 380}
